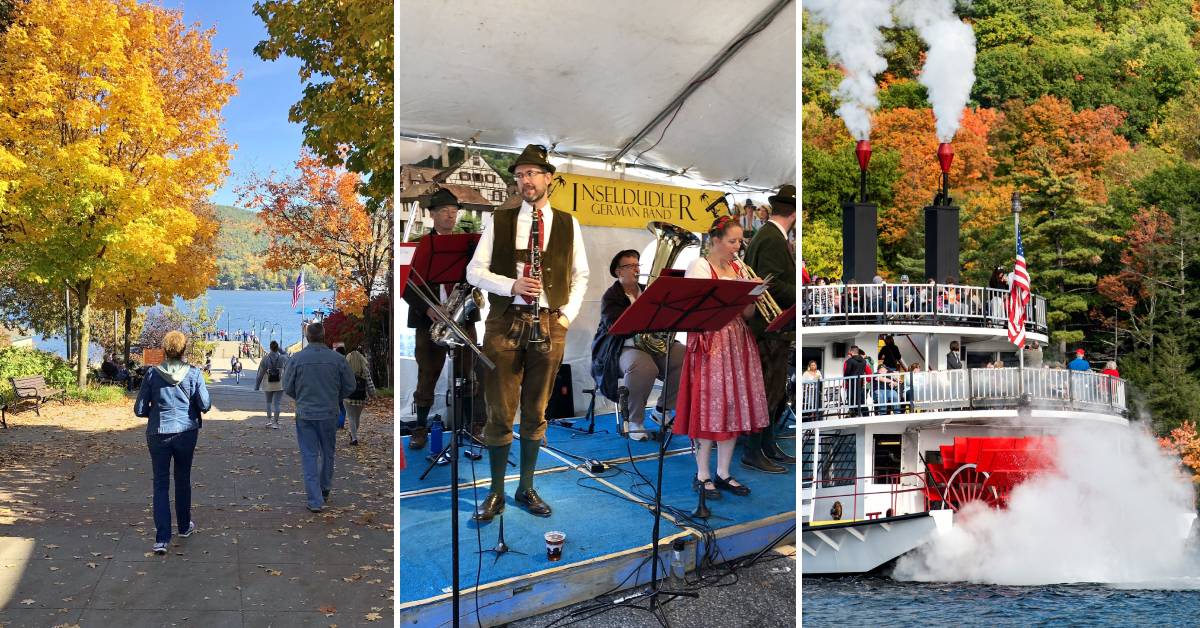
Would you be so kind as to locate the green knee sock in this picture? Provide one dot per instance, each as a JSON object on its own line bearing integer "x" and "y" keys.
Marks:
{"x": 529, "y": 454}
{"x": 498, "y": 459}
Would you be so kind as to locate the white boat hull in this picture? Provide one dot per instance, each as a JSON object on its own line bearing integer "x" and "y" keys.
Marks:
{"x": 864, "y": 546}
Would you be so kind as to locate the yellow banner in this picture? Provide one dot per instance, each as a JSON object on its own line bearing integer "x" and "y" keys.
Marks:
{"x": 607, "y": 202}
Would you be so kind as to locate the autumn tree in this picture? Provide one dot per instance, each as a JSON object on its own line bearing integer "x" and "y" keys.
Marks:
{"x": 318, "y": 218}
{"x": 110, "y": 132}
{"x": 1184, "y": 441}
{"x": 189, "y": 272}
{"x": 347, "y": 64}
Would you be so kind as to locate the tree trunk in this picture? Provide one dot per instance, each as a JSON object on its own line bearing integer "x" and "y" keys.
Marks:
{"x": 128, "y": 323}
{"x": 85, "y": 333}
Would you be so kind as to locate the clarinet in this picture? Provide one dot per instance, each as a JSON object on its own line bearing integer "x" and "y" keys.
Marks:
{"x": 535, "y": 272}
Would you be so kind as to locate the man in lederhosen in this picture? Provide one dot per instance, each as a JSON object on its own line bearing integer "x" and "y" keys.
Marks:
{"x": 430, "y": 356}
{"x": 525, "y": 371}
{"x": 769, "y": 254}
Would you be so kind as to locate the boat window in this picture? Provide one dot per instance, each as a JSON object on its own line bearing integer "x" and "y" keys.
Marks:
{"x": 837, "y": 464}
{"x": 886, "y": 458}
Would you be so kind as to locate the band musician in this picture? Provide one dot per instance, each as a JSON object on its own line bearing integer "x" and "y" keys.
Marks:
{"x": 535, "y": 289}
{"x": 430, "y": 356}
{"x": 627, "y": 357}
{"x": 769, "y": 254}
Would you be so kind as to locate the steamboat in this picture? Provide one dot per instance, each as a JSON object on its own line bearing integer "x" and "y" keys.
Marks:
{"x": 890, "y": 456}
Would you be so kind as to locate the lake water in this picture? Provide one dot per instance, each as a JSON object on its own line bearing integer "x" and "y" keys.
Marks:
{"x": 268, "y": 312}
{"x": 881, "y": 601}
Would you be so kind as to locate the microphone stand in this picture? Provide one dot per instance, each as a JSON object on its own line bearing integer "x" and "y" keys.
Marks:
{"x": 458, "y": 334}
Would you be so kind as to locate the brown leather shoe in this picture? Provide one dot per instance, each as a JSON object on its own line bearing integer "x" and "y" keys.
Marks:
{"x": 777, "y": 455}
{"x": 759, "y": 462}
{"x": 533, "y": 503}
{"x": 420, "y": 436}
{"x": 492, "y": 505}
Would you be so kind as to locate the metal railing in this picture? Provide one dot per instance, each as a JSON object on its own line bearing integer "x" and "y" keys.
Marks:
{"x": 961, "y": 389}
{"x": 894, "y": 494}
{"x": 915, "y": 304}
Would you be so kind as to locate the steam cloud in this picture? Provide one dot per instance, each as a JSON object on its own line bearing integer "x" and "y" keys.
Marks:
{"x": 853, "y": 40}
{"x": 1112, "y": 512}
{"x": 949, "y": 68}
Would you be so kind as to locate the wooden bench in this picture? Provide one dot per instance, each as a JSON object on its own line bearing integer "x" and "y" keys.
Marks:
{"x": 30, "y": 390}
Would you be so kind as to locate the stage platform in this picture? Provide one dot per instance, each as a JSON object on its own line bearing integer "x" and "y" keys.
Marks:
{"x": 607, "y": 518}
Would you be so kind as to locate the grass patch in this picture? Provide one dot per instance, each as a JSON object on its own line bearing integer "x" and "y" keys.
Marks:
{"x": 384, "y": 392}
{"x": 97, "y": 394}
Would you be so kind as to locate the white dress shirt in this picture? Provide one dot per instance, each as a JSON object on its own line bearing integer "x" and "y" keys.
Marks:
{"x": 479, "y": 275}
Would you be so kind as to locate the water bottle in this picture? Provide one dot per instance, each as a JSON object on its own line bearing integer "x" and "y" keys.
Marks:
{"x": 435, "y": 435}
{"x": 675, "y": 579}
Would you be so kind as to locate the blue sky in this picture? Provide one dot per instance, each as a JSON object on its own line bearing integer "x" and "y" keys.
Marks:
{"x": 256, "y": 119}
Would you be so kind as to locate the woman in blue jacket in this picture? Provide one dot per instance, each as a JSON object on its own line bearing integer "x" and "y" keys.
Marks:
{"x": 172, "y": 397}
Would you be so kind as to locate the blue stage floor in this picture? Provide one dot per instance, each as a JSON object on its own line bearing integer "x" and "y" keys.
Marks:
{"x": 605, "y": 518}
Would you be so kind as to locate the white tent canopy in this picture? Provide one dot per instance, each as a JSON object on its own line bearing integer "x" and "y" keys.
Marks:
{"x": 605, "y": 80}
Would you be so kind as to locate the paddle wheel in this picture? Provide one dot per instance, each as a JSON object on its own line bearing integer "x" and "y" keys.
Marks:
{"x": 986, "y": 469}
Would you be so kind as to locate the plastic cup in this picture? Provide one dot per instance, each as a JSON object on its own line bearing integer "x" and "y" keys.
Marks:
{"x": 554, "y": 545}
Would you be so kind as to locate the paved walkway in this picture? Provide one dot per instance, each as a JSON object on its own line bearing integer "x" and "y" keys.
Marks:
{"x": 76, "y": 528}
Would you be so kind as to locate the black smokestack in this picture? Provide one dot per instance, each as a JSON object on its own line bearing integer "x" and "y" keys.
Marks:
{"x": 860, "y": 233}
{"x": 941, "y": 226}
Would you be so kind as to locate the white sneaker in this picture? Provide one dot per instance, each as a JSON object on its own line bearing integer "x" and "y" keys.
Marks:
{"x": 656, "y": 415}
{"x": 275, "y": 425}
{"x": 160, "y": 548}
{"x": 632, "y": 430}
{"x": 191, "y": 530}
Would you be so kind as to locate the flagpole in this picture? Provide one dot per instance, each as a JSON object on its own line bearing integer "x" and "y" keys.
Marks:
{"x": 1016, "y": 210}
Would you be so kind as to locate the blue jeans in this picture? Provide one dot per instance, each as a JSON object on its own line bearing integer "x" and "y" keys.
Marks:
{"x": 316, "y": 457}
{"x": 165, "y": 448}
{"x": 274, "y": 398}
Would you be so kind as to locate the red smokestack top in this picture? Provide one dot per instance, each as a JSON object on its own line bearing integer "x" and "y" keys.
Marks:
{"x": 862, "y": 150}
{"x": 945, "y": 155}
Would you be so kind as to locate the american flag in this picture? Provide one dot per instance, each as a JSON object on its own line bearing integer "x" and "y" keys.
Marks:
{"x": 298, "y": 289}
{"x": 1018, "y": 295}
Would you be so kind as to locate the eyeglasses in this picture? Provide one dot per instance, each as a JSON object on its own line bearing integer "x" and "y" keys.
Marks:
{"x": 633, "y": 265}
{"x": 528, "y": 174}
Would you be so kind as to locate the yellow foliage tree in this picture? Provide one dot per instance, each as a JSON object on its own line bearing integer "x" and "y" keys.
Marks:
{"x": 110, "y": 128}
{"x": 191, "y": 271}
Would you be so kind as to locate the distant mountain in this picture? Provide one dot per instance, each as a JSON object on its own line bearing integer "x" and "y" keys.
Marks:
{"x": 240, "y": 256}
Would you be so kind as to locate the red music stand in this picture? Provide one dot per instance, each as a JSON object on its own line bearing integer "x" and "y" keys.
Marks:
{"x": 444, "y": 258}
{"x": 682, "y": 304}
{"x": 786, "y": 318}
{"x": 676, "y": 304}
{"x": 404, "y": 258}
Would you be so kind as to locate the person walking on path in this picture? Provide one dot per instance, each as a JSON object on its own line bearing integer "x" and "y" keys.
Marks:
{"x": 317, "y": 378}
{"x": 173, "y": 397}
{"x": 364, "y": 389}
{"x": 270, "y": 380}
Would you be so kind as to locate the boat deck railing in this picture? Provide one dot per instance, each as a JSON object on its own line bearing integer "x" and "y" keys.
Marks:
{"x": 961, "y": 389}
{"x": 914, "y": 304}
{"x": 894, "y": 494}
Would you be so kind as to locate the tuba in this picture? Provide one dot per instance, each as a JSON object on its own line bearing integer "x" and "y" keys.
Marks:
{"x": 672, "y": 240}
{"x": 464, "y": 300}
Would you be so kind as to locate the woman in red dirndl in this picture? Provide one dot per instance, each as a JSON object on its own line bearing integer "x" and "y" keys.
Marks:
{"x": 721, "y": 391}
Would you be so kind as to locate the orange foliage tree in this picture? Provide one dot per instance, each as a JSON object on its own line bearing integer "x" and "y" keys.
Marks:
{"x": 1145, "y": 279}
{"x": 1184, "y": 442}
{"x": 1048, "y": 135}
{"x": 319, "y": 218}
{"x": 910, "y": 132}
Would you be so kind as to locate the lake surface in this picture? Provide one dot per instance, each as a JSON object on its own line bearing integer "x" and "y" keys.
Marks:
{"x": 881, "y": 601}
{"x": 268, "y": 312}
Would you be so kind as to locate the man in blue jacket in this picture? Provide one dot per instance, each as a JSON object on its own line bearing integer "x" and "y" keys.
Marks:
{"x": 1079, "y": 364}
{"x": 317, "y": 378}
